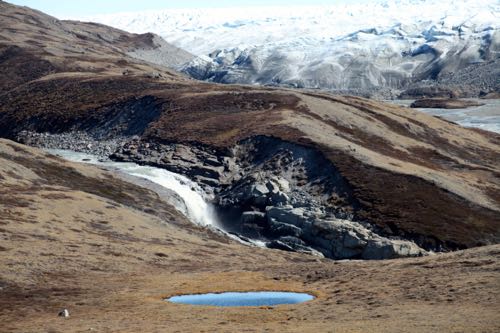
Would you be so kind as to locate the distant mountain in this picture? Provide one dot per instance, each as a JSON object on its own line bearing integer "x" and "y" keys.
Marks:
{"x": 33, "y": 44}
{"x": 357, "y": 46}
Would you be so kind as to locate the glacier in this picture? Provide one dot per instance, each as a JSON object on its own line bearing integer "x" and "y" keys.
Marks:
{"x": 351, "y": 45}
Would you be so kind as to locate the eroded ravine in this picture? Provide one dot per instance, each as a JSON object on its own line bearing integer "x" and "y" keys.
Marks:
{"x": 284, "y": 196}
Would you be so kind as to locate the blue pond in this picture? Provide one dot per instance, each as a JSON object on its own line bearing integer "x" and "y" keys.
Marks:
{"x": 257, "y": 298}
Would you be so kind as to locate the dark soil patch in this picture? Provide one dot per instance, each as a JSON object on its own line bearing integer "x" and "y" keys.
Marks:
{"x": 412, "y": 207}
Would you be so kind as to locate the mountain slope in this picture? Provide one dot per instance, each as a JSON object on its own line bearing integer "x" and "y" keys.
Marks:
{"x": 35, "y": 45}
{"x": 353, "y": 46}
{"x": 397, "y": 172}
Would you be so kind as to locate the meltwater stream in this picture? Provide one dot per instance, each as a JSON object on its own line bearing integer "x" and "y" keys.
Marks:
{"x": 198, "y": 210}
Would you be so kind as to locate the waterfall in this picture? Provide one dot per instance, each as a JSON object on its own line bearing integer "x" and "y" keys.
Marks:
{"x": 198, "y": 210}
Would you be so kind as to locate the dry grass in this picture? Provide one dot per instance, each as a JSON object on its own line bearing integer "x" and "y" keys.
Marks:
{"x": 112, "y": 265}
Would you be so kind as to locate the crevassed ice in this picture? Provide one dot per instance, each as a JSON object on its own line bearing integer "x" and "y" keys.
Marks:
{"x": 202, "y": 31}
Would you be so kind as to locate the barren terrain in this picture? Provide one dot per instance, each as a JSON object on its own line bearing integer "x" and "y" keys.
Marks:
{"x": 81, "y": 238}
{"x": 92, "y": 250}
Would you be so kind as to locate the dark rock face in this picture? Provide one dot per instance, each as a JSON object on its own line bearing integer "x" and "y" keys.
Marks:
{"x": 127, "y": 118}
{"x": 490, "y": 95}
{"x": 277, "y": 173}
{"x": 432, "y": 91}
{"x": 444, "y": 103}
{"x": 103, "y": 119}
{"x": 279, "y": 192}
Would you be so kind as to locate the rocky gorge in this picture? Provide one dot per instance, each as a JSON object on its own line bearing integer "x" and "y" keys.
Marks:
{"x": 266, "y": 189}
{"x": 337, "y": 176}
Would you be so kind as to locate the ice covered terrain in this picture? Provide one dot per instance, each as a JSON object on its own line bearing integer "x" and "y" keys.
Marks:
{"x": 388, "y": 43}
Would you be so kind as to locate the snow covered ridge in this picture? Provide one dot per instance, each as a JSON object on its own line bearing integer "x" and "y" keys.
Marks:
{"x": 357, "y": 45}
{"x": 200, "y": 31}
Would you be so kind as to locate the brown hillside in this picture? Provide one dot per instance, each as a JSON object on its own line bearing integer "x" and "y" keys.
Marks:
{"x": 411, "y": 173}
{"x": 74, "y": 236}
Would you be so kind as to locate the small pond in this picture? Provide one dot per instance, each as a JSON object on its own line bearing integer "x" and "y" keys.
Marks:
{"x": 258, "y": 298}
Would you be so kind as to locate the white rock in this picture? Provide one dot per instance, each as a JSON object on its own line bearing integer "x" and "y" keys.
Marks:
{"x": 64, "y": 313}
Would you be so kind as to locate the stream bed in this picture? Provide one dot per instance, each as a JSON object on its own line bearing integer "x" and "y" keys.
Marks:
{"x": 184, "y": 194}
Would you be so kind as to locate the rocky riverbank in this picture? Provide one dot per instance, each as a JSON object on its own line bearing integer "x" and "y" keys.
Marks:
{"x": 75, "y": 141}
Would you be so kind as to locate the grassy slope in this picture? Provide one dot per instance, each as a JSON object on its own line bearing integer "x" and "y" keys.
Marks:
{"x": 70, "y": 242}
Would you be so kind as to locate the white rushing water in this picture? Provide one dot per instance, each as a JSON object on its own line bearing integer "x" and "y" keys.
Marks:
{"x": 198, "y": 209}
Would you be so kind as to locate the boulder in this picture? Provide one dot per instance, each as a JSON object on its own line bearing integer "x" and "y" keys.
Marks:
{"x": 292, "y": 244}
{"x": 278, "y": 199}
{"x": 343, "y": 239}
{"x": 389, "y": 249}
{"x": 272, "y": 186}
{"x": 252, "y": 230}
{"x": 277, "y": 228}
{"x": 259, "y": 190}
{"x": 283, "y": 184}
{"x": 338, "y": 238}
{"x": 288, "y": 215}
{"x": 353, "y": 241}
{"x": 64, "y": 313}
{"x": 257, "y": 194}
{"x": 256, "y": 217}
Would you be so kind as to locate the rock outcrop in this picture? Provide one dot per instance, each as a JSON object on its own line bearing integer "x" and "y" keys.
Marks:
{"x": 444, "y": 103}
{"x": 334, "y": 238}
{"x": 75, "y": 236}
